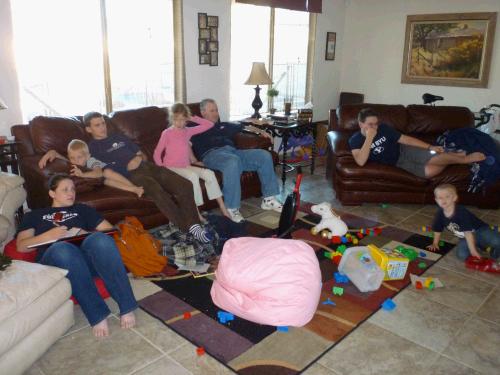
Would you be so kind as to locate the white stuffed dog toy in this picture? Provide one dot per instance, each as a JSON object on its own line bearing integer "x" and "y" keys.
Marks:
{"x": 329, "y": 220}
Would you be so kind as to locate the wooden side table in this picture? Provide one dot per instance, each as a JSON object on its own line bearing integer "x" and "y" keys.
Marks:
{"x": 9, "y": 157}
{"x": 285, "y": 131}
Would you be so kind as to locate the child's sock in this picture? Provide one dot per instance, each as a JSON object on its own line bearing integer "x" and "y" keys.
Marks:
{"x": 199, "y": 233}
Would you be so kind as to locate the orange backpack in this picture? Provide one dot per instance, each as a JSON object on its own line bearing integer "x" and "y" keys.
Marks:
{"x": 139, "y": 250}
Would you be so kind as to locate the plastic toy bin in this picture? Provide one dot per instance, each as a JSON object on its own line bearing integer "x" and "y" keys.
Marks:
{"x": 358, "y": 264}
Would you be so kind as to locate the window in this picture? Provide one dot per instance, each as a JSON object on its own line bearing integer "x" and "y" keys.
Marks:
{"x": 141, "y": 53}
{"x": 250, "y": 43}
{"x": 59, "y": 55}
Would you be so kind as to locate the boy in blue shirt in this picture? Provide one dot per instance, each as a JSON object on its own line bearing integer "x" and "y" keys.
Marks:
{"x": 474, "y": 233}
{"x": 384, "y": 144}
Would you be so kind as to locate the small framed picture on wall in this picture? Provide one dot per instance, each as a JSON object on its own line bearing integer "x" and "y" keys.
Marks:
{"x": 213, "y": 34}
{"x": 213, "y": 21}
{"x": 202, "y": 46}
{"x": 202, "y": 20}
{"x": 213, "y": 46}
{"x": 205, "y": 59}
{"x": 331, "y": 40}
{"x": 214, "y": 60}
{"x": 204, "y": 34}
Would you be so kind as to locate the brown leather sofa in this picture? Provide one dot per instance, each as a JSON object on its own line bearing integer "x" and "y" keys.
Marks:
{"x": 386, "y": 184}
{"x": 143, "y": 126}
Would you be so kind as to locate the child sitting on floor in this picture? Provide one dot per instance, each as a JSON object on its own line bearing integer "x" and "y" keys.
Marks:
{"x": 474, "y": 234}
{"x": 79, "y": 156}
{"x": 174, "y": 152}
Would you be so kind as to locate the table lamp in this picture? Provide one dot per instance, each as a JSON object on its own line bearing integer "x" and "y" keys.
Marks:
{"x": 258, "y": 76}
{"x": 2, "y": 104}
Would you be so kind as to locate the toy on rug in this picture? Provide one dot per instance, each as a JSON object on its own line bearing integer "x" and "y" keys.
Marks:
{"x": 482, "y": 264}
{"x": 329, "y": 221}
{"x": 421, "y": 282}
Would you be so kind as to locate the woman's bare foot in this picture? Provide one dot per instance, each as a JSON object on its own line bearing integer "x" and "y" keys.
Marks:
{"x": 139, "y": 190}
{"x": 475, "y": 157}
{"x": 101, "y": 329}
{"x": 127, "y": 320}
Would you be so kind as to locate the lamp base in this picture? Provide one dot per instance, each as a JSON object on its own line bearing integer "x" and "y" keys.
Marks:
{"x": 257, "y": 103}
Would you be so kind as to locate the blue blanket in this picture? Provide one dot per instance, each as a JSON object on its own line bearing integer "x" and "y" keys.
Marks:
{"x": 471, "y": 140}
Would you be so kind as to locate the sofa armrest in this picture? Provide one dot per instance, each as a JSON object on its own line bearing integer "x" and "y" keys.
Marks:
{"x": 23, "y": 136}
{"x": 339, "y": 143}
{"x": 245, "y": 140}
{"x": 36, "y": 180}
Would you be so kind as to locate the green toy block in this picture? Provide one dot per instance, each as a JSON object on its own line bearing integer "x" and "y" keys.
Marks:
{"x": 441, "y": 243}
{"x": 341, "y": 249}
{"x": 431, "y": 285}
{"x": 384, "y": 205}
{"x": 422, "y": 265}
{"x": 407, "y": 252}
{"x": 338, "y": 291}
{"x": 328, "y": 254}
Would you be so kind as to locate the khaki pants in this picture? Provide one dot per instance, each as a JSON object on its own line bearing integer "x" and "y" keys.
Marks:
{"x": 194, "y": 174}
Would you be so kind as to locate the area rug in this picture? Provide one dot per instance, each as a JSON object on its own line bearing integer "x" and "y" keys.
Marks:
{"x": 249, "y": 348}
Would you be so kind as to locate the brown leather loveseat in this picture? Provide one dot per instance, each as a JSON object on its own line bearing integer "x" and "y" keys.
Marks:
{"x": 386, "y": 184}
{"x": 143, "y": 126}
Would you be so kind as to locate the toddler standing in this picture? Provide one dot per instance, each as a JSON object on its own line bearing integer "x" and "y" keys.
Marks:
{"x": 173, "y": 152}
{"x": 474, "y": 233}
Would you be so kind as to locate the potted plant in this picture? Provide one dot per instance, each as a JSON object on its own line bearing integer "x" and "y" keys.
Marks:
{"x": 272, "y": 93}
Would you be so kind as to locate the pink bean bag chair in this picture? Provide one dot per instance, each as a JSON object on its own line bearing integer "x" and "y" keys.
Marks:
{"x": 268, "y": 281}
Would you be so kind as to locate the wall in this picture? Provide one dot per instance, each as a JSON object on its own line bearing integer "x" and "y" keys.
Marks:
{"x": 9, "y": 88}
{"x": 373, "y": 53}
{"x": 203, "y": 80}
{"x": 326, "y": 74}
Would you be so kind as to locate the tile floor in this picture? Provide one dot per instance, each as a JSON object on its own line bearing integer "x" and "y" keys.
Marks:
{"x": 452, "y": 330}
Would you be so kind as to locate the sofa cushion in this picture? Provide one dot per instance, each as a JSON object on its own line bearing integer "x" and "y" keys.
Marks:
{"x": 436, "y": 120}
{"x": 143, "y": 126}
{"x": 18, "y": 326}
{"x": 394, "y": 115}
{"x": 54, "y": 133}
{"x": 24, "y": 282}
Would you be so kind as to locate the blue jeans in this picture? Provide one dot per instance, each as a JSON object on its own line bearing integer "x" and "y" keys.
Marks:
{"x": 233, "y": 162}
{"x": 96, "y": 256}
{"x": 485, "y": 237}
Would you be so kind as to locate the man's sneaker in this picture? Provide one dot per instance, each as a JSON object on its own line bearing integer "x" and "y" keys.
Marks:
{"x": 271, "y": 203}
{"x": 235, "y": 214}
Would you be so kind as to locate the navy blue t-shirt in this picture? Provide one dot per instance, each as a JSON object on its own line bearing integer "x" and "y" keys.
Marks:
{"x": 220, "y": 135}
{"x": 385, "y": 146}
{"x": 43, "y": 219}
{"x": 116, "y": 151}
{"x": 461, "y": 221}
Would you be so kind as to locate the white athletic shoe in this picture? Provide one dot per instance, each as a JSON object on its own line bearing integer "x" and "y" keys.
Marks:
{"x": 271, "y": 203}
{"x": 236, "y": 215}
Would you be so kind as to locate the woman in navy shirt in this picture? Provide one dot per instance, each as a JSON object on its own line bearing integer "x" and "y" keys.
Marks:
{"x": 96, "y": 255}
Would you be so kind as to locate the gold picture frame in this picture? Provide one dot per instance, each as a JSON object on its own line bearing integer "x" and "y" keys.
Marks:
{"x": 449, "y": 49}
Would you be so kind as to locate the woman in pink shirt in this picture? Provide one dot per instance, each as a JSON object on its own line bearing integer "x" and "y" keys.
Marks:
{"x": 176, "y": 150}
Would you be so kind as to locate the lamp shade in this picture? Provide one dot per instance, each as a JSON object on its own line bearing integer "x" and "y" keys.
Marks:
{"x": 258, "y": 75}
{"x": 2, "y": 104}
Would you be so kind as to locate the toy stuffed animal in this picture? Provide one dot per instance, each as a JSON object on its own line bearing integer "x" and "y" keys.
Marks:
{"x": 329, "y": 220}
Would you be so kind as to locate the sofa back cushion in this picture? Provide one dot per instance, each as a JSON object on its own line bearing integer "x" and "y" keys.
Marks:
{"x": 393, "y": 115}
{"x": 54, "y": 133}
{"x": 143, "y": 126}
{"x": 437, "y": 119}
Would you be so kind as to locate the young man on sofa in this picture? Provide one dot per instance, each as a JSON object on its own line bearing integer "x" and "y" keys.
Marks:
{"x": 383, "y": 144}
{"x": 160, "y": 185}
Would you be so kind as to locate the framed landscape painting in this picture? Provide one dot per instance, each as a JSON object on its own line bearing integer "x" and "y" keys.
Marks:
{"x": 448, "y": 49}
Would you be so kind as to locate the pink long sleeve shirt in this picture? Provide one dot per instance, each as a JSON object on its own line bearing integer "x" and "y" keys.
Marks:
{"x": 175, "y": 143}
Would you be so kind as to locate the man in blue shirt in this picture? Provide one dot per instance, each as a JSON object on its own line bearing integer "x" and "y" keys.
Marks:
{"x": 384, "y": 144}
{"x": 216, "y": 149}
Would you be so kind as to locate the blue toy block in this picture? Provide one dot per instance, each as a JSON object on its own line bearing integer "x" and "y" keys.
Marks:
{"x": 422, "y": 254}
{"x": 388, "y": 304}
{"x": 282, "y": 329}
{"x": 224, "y": 316}
{"x": 344, "y": 239}
{"x": 340, "y": 278}
{"x": 329, "y": 302}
